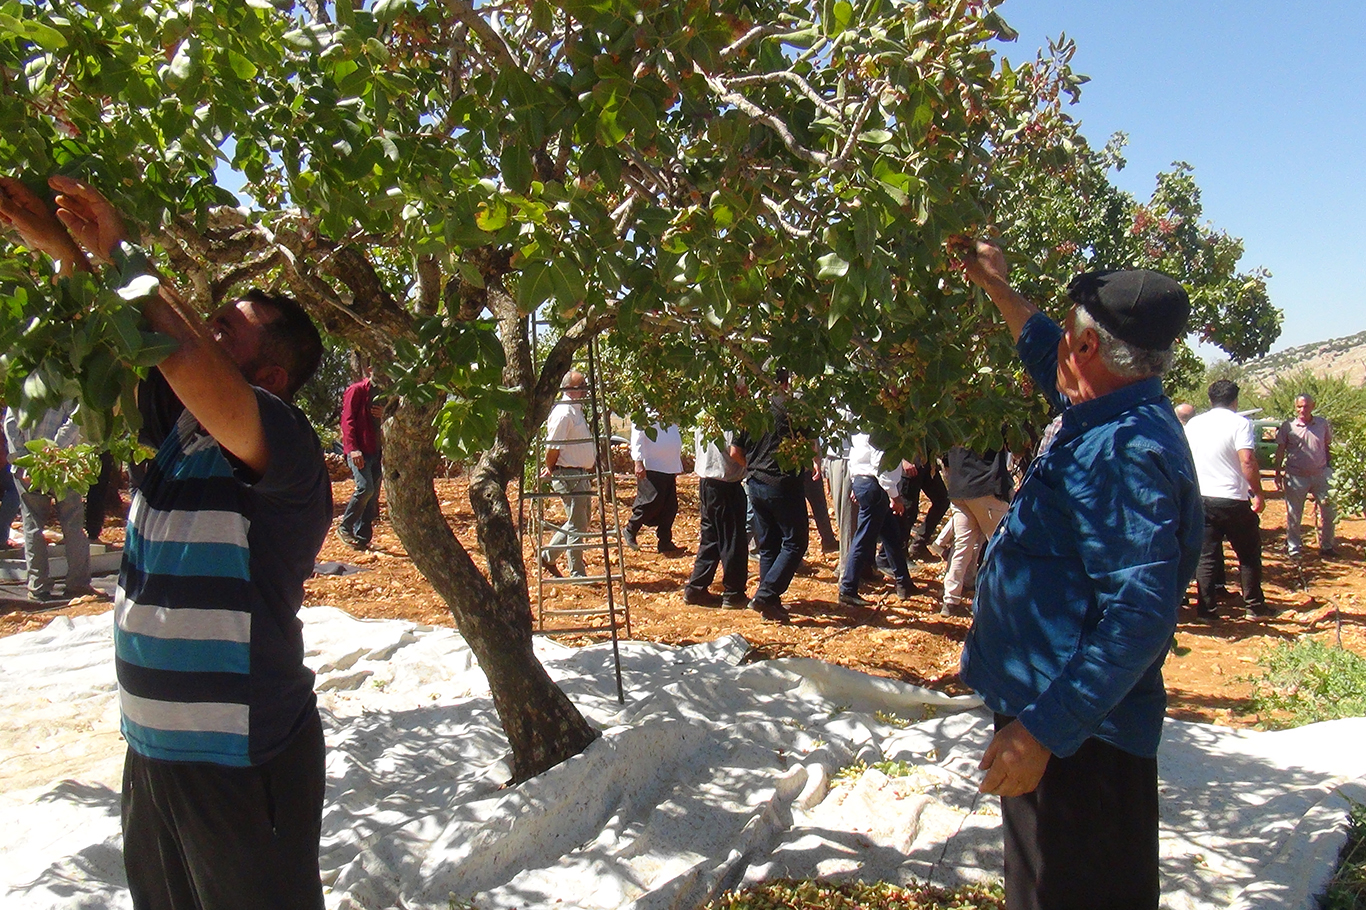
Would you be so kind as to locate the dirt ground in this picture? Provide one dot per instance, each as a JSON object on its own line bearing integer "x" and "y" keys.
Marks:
{"x": 1207, "y": 674}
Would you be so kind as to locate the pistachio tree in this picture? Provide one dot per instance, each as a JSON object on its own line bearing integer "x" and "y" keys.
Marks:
{"x": 721, "y": 182}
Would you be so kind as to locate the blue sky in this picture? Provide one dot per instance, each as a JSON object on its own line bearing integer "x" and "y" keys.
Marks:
{"x": 1266, "y": 100}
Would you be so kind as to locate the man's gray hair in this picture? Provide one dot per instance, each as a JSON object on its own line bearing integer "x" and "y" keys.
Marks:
{"x": 1125, "y": 360}
{"x": 1307, "y": 397}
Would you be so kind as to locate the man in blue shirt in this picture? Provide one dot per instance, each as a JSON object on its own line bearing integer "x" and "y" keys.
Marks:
{"x": 225, "y": 772}
{"x": 1078, "y": 593}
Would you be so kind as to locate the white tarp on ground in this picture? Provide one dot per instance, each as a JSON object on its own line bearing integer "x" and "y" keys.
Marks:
{"x": 714, "y": 773}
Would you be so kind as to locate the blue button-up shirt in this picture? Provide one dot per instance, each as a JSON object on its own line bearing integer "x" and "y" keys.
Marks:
{"x": 1079, "y": 588}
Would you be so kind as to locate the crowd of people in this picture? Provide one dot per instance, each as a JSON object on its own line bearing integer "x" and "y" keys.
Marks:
{"x": 749, "y": 502}
{"x": 1079, "y": 573}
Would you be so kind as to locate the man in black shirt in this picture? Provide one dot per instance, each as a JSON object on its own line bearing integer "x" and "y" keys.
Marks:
{"x": 978, "y": 487}
{"x": 778, "y": 497}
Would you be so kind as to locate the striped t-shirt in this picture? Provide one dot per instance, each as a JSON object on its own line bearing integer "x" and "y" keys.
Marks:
{"x": 208, "y": 645}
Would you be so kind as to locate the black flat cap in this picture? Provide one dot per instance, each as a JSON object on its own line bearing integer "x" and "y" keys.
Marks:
{"x": 1145, "y": 308}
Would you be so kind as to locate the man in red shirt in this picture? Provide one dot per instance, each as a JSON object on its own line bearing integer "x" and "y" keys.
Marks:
{"x": 361, "y": 444}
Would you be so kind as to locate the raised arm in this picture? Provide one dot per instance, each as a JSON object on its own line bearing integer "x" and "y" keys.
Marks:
{"x": 204, "y": 377}
{"x": 985, "y": 266}
{"x": 23, "y": 212}
{"x": 208, "y": 381}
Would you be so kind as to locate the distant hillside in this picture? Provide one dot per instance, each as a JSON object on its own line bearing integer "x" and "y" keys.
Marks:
{"x": 1345, "y": 357}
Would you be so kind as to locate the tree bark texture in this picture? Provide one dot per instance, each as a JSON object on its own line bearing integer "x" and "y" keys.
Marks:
{"x": 493, "y": 614}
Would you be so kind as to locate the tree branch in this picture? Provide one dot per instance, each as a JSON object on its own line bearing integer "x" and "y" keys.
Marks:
{"x": 859, "y": 120}
{"x": 189, "y": 270}
{"x": 762, "y": 31}
{"x": 621, "y": 215}
{"x": 802, "y": 85}
{"x": 428, "y": 285}
{"x": 318, "y": 10}
{"x": 247, "y": 271}
{"x": 657, "y": 178}
{"x": 747, "y": 39}
{"x": 492, "y": 42}
{"x": 744, "y": 105}
{"x": 781, "y": 217}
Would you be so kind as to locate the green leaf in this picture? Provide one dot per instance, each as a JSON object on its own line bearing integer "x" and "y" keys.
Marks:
{"x": 516, "y": 165}
{"x": 241, "y": 66}
{"x": 470, "y": 272}
{"x": 1004, "y": 32}
{"x": 345, "y": 13}
{"x": 182, "y": 64}
{"x": 610, "y": 131}
{"x": 41, "y": 34}
{"x": 155, "y": 348}
{"x": 543, "y": 15}
{"x": 843, "y": 17}
{"x": 35, "y": 388}
{"x": 126, "y": 329}
{"x": 492, "y": 216}
{"x": 831, "y": 266}
{"x": 567, "y": 281}
{"x": 534, "y": 286}
{"x": 101, "y": 383}
{"x": 386, "y": 11}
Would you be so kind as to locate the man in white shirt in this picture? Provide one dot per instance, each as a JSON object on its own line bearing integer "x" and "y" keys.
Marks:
{"x": 658, "y": 463}
{"x": 879, "y": 502}
{"x": 569, "y": 461}
{"x": 1225, "y": 455}
{"x": 720, "y": 467}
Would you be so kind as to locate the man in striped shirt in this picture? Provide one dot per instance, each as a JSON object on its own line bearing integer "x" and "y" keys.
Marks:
{"x": 224, "y": 777}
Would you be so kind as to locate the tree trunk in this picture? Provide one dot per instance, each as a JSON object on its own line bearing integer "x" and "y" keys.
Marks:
{"x": 543, "y": 727}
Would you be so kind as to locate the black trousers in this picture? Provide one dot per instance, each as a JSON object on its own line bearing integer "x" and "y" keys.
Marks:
{"x": 721, "y": 541}
{"x": 1235, "y": 520}
{"x": 1086, "y": 838}
{"x": 930, "y": 482}
{"x": 198, "y": 836}
{"x": 97, "y": 497}
{"x": 656, "y": 505}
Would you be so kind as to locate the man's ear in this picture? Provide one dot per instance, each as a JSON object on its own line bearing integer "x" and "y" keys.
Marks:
{"x": 274, "y": 379}
{"x": 1088, "y": 346}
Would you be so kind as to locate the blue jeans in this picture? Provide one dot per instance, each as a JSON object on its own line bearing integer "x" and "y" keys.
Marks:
{"x": 362, "y": 509}
{"x": 875, "y": 522}
{"x": 780, "y": 522}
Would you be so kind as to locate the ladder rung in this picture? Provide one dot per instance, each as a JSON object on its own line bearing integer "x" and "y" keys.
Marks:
{"x": 576, "y": 630}
{"x": 550, "y": 494}
{"x": 586, "y": 611}
{"x": 578, "y": 579}
{"x": 587, "y": 547}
